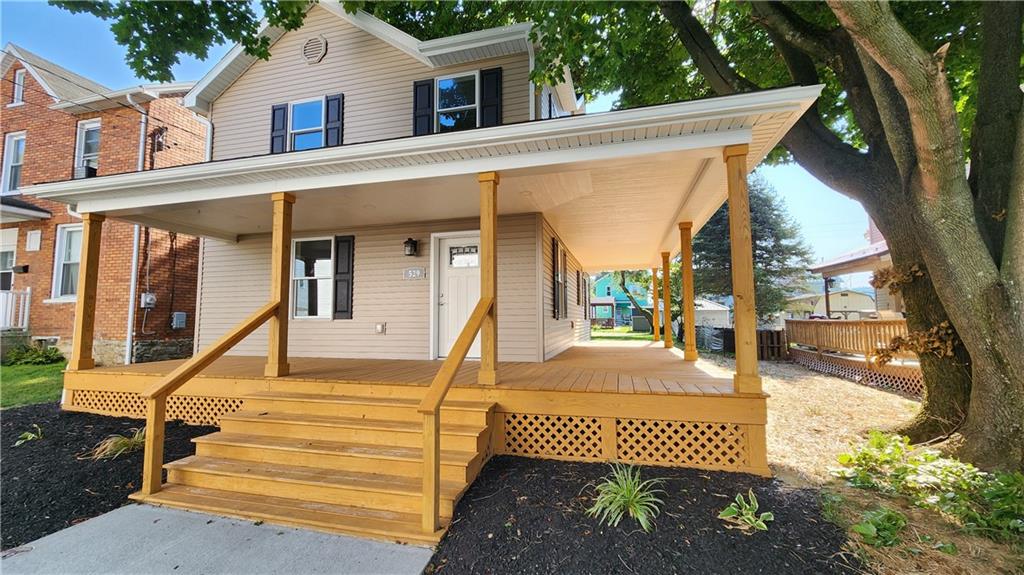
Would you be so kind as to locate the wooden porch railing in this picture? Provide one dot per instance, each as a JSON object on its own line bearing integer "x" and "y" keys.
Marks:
{"x": 863, "y": 337}
{"x": 430, "y": 407}
{"x": 14, "y": 308}
{"x": 156, "y": 396}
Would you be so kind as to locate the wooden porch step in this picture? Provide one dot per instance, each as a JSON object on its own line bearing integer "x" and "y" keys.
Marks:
{"x": 374, "y": 407}
{"x": 405, "y": 461}
{"x": 336, "y": 487}
{"x": 458, "y": 437}
{"x": 347, "y": 520}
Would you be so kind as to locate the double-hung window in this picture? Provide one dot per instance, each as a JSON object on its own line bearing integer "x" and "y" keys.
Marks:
{"x": 65, "y": 262}
{"x": 306, "y": 127}
{"x": 14, "y": 157}
{"x": 87, "y": 149}
{"x": 18, "y": 95}
{"x": 313, "y": 278}
{"x": 6, "y": 269}
{"x": 458, "y": 102}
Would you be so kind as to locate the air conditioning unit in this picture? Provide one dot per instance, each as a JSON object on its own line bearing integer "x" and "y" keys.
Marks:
{"x": 82, "y": 172}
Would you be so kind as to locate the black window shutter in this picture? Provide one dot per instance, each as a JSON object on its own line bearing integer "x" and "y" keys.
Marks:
{"x": 279, "y": 128}
{"x": 554, "y": 278}
{"x": 423, "y": 107}
{"x": 334, "y": 120}
{"x": 344, "y": 275}
{"x": 490, "y": 97}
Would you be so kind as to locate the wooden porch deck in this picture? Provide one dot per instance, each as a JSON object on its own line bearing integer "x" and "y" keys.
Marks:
{"x": 629, "y": 367}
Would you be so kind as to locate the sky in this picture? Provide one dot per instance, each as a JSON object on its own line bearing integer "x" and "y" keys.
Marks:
{"x": 832, "y": 224}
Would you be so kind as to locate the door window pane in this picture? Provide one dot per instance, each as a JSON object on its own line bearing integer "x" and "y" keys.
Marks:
{"x": 464, "y": 257}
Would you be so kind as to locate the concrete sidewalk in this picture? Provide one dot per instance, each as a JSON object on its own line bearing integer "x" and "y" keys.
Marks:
{"x": 141, "y": 539}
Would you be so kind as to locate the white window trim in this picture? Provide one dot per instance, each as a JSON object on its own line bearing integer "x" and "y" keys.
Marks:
{"x": 84, "y": 125}
{"x": 8, "y": 158}
{"x": 292, "y": 279}
{"x": 476, "y": 98}
{"x": 58, "y": 270}
{"x": 14, "y": 260}
{"x": 18, "y": 92}
{"x": 322, "y": 129}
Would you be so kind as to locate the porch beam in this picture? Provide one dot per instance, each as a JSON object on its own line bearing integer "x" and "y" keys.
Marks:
{"x": 747, "y": 379}
{"x": 85, "y": 300}
{"x": 666, "y": 296}
{"x": 277, "y": 340}
{"x": 656, "y": 316}
{"x": 489, "y": 276}
{"x": 686, "y": 285}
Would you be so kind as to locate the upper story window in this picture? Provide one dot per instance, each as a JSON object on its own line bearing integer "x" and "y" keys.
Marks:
{"x": 14, "y": 157}
{"x": 306, "y": 130}
{"x": 87, "y": 149}
{"x": 18, "y": 96}
{"x": 458, "y": 103}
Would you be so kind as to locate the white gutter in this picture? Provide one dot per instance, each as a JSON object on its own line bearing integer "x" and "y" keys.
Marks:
{"x": 133, "y": 282}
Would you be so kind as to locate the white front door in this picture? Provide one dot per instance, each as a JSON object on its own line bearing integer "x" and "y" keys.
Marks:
{"x": 458, "y": 290}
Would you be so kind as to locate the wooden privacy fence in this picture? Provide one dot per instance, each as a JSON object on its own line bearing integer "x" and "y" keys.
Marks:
{"x": 771, "y": 344}
{"x": 861, "y": 337}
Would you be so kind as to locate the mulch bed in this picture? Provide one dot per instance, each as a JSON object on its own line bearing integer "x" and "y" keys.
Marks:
{"x": 44, "y": 485}
{"x": 528, "y": 516}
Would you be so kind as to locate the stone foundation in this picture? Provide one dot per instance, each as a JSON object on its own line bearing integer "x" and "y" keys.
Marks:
{"x": 159, "y": 350}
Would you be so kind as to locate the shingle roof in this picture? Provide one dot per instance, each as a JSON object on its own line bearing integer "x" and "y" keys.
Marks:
{"x": 13, "y": 202}
{"x": 62, "y": 83}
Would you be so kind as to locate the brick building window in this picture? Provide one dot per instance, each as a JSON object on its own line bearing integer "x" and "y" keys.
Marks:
{"x": 18, "y": 96}
{"x": 65, "y": 261}
{"x": 87, "y": 149}
{"x": 14, "y": 156}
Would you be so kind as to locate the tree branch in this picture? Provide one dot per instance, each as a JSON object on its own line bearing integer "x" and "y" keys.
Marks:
{"x": 786, "y": 25}
{"x": 709, "y": 60}
{"x": 994, "y": 132}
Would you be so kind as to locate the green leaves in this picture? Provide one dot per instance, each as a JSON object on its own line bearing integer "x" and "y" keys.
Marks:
{"x": 742, "y": 513}
{"x": 29, "y": 436}
{"x": 623, "y": 493}
{"x": 881, "y": 527}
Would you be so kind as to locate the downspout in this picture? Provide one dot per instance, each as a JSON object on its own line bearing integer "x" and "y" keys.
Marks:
{"x": 209, "y": 135}
{"x": 133, "y": 282}
{"x": 533, "y": 88}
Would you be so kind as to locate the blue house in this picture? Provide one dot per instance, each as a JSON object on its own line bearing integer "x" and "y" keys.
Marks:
{"x": 609, "y": 301}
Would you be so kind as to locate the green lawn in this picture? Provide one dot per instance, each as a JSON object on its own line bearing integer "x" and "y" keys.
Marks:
{"x": 28, "y": 384}
{"x": 618, "y": 333}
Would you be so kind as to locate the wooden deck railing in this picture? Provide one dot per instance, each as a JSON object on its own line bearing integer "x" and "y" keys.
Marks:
{"x": 430, "y": 407}
{"x": 862, "y": 337}
{"x": 156, "y": 396}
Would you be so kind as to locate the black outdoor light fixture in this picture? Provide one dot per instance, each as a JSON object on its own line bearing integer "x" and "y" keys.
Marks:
{"x": 411, "y": 246}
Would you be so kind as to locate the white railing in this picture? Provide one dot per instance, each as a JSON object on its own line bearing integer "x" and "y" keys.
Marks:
{"x": 14, "y": 308}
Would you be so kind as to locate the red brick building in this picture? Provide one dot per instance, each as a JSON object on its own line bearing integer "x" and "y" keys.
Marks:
{"x": 58, "y": 125}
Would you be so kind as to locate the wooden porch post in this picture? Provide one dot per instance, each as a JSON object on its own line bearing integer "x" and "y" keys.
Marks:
{"x": 489, "y": 276}
{"x": 277, "y": 341}
{"x": 666, "y": 296}
{"x": 85, "y": 300}
{"x": 656, "y": 316}
{"x": 689, "y": 305}
{"x": 747, "y": 379}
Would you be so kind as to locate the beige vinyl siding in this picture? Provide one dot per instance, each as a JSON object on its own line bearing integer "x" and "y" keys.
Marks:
{"x": 236, "y": 281}
{"x": 560, "y": 334}
{"x": 376, "y": 78}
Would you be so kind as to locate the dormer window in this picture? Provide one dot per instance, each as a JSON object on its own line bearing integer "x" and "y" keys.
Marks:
{"x": 457, "y": 103}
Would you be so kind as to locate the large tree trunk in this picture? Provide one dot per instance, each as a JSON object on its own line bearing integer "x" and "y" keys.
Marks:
{"x": 632, "y": 300}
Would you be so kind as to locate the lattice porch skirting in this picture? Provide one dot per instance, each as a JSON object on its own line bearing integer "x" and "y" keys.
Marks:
{"x": 192, "y": 409}
{"x": 902, "y": 378}
{"x": 723, "y": 446}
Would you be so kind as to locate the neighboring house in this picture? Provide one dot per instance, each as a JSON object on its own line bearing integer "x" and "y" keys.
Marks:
{"x": 844, "y": 304}
{"x": 58, "y": 125}
{"x": 868, "y": 259}
{"x": 382, "y": 208}
{"x": 607, "y": 285}
{"x": 711, "y": 314}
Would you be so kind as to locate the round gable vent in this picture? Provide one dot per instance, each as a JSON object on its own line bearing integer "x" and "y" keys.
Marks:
{"x": 314, "y": 49}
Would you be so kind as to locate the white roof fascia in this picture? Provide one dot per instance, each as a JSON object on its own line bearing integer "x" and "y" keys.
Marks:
{"x": 379, "y": 28}
{"x": 147, "y": 92}
{"x": 476, "y": 39}
{"x": 235, "y": 178}
{"x": 31, "y": 69}
{"x": 11, "y": 214}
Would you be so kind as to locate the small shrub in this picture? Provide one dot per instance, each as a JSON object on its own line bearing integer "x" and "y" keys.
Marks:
{"x": 33, "y": 355}
{"x": 881, "y": 527}
{"x": 116, "y": 445}
{"x": 624, "y": 493}
{"x": 831, "y": 506}
{"x": 743, "y": 514}
{"x": 984, "y": 503}
{"x": 29, "y": 436}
